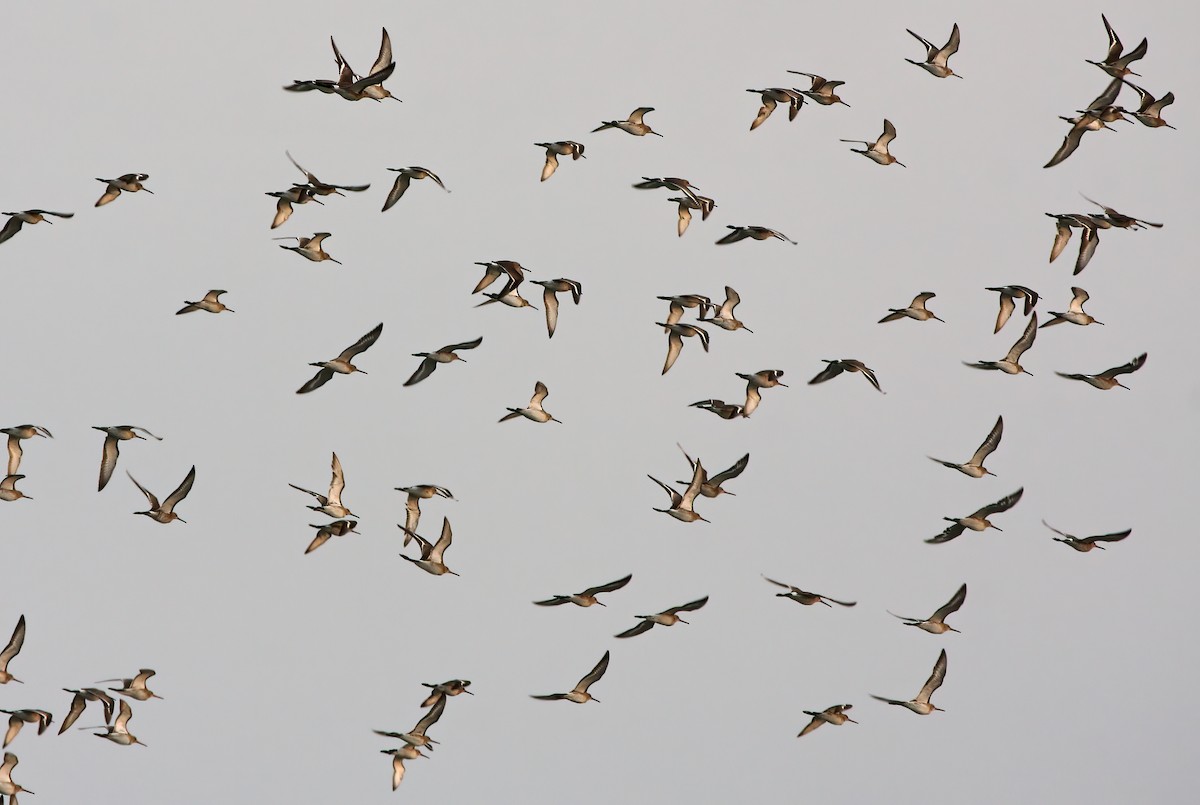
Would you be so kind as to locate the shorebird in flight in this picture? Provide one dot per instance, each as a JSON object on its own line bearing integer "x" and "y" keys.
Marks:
{"x": 916, "y": 310}
{"x": 513, "y": 271}
{"x": 668, "y": 617}
{"x": 821, "y": 91}
{"x": 579, "y": 694}
{"x": 1122, "y": 221}
{"x": 1010, "y": 363}
{"x": 412, "y": 504}
{"x": 974, "y": 467}
{"x": 341, "y": 364}
{"x": 936, "y": 59}
{"x": 835, "y": 715}
{"x": 765, "y": 379}
{"x": 1007, "y": 294}
{"x": 535, "y": 411}
{"x": 129, "y": 182}
{"x": 562, "y": 148}
{"x": 320, "y": 188}
{"x": 878, "y": 151}
{"x": 737, "y": 233}
{"x": 588, "y": 597}
{"x": 452, "y": 687}
{"x": 1074, "y": 314}
{"x": 310, "y": 248}
{"x": 79, "y": 703}
{"x": 936, "y": 623}
{"x": 677, "y": 332}
{"x": 1149, "y": 111}
{"x": 682, "y": 504}
{"x": 772, "y": 97}
{"x": 404, "y": 179}
{"x": 165, "y": 512}
{"x": 1108, "y": 378}
{"x": 400, "y": 755}
{"x": 836, "y": 367}
{"x": 18, "y": 219}
{"x": 338, "y": 528}
{"x": 444, "y": 355}
{"x": 19, "y": 718}
{"x": 135, "y": 688}
{"x": 720, "y": 408}
{"x": 416, "y": 736}
{"x": 725, "y": 318}
{"x": 679, "y": 302}
{"x": 354, "y": 87}
{"x": 1085, "y": 544}
{"x": 551, "y": 289}
{"x": 978, "y": 521}
{"x": 431, "y": 554}
{"x": 110, "y": 452}
{"x": 686, "y": 205}
{"x": 211, "y": 303}
{"x": 1098, "y": 114}
{"x": 9, "y": 491}
{"x": 298, "y": 194}
{"x": 15, "y": 435}
{"x": 631, "y": 125}
{"x": 921, "y": 705}
{"x": 675, "y": 185}
{"x": 510, "y": 297}
{"x": 331, "y": 503}
{"x": 1089, "y": 238}
{"x": 807, "y": 598}
{"x": 12, "y": 650}
{"x": 7, "y": 786}
{"x": 1114, "y": 63}
{"x": 118, "y": 732}
{"x": 711, "y": 487}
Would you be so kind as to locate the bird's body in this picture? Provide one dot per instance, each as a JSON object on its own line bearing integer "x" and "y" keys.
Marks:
{"x": 12, "y": 650}
{"x": 19, "y": 718}
{"x": 821, "y": 91}
{"x": 416, "y": 736}
{"x": 338, "y": 528}
{"x": 725, "y": 319}
{"x": 79, "y": 703}
{"x": 1149, "y": 111}
{"x": 682, "y": 505}
{"x": 720, "y": 408}
{"x": 1115, "y": 63}
{"x": 551, "y": 289}
{"x": 712, "y": 487}
{"x": 451, "y": 687}
{"x": 7, "y": 787}
{"x": 688, "y": 203}
{"x": 676, "y": 334}
{"x": 135, "y": 688}
{"x": 772, "y": 97}
{"x": 412, "y": 504}
{"x": 1007, "y": 294}
{"x": 299, "y": 194}
{"x": 9, "y": 491}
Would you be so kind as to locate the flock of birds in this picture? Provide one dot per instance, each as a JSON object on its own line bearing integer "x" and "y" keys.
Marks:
{"x": 682, "y": 495}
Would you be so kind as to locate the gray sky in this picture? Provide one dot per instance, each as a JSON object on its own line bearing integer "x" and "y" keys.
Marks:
{"x": 1073, "y": 679}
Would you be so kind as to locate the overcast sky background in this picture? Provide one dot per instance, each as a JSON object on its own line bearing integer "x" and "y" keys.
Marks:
{"x": 1074, "y": 678}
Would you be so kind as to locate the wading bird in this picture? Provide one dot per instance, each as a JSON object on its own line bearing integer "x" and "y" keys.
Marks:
{"x": 134, "y": 688}
{"x": 555, "y": 150}
{"x": 936, "y": 623}
{"x": 807, "y": 598}
{"x": 211, "y": 303}
{"x": 821, "y": 90}
{"x": 407, "y": 175}
{"x": 15, "y": 436}
{"x": 836, "y": 367}
{"x": 936, "y": 59}
{"x": 310, "y": 248}
{"x": 110, "y": 453}
{"x": 165, "y": 512}
{"x": 978, "y": 521}
{"x": 1010, "y": 363}
{"x": 668, "y": 617}
{"x": 1007, "y": 294}
{"x": 129, "y": 182}
{"x": 1074, "y": 314}
{"x": 974, "y": 467}
{"x": 416, "y": 736}
{"x": 878, "y": 151}
{"x": 586, "y": 598}
{"x": 916, "y": 310}
{"x": 444, "y": 355}
{"x": 431, "y": 554}
{"x": 1108, "y": 378}
{"x": 1085, "y": 544}
{"x": 920, "y": 705}
{"x": 835, "y": 715}
{"x": 12, "y": 650}
{"x": 338, "y": 528}
{"x": 579, "y": 694}
{"x": 79, "y": 703}
{"x": 412, "y": 504}
{"x": 18, "y": 219}
{"x": 535, "y": 411}
{"x": 551, "y": 289}
{"x": 331, "y": 503}
{"x": 682, "y": 504}
{"x": 341, "y": 364}
{"x": 631, "y": 125}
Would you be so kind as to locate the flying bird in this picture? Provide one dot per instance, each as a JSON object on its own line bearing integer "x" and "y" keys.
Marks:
{"x": 579, "y": 694}
{"x": 836, "y": 367}
{"x": 1149, "y": 111}
{"x": 878, "y": 151}
{"x": 631, "y": 125}
{"x": 720, "y": 408}
{"x": 535, "y": 410}
{"x": 19, "y": 718}
{"x": 452, "y": 687}
{"x": 310, "y": 248}
{"x": 1122, "y": 221}
{"x": 165, "y": 512}
{"x": 12, "y": 650}
{"x": 7, "y": 786}
{"x": 135, "y": 688}
{"x": 1010, "y": 364}
{"x": 404, "y": 179}
{"x": 18, "y": 219}
{"x": 688, "y": 203}
{"x": 412, "y": 504}
{"x": 354, "y": 87}
{"x": 1085, "y": 544}
{"x": 821, "y": 91}
{"x": 725, "y": 318}
{"x": 835, "y": 715}
{"x": 588, "y": 597}
{"x": 562, "y": 148}
{"x": 299, "y": 194}
{"x": 338, "y": 528}
{"x": 551, "y": 289}
{"x": 79, "y": 702}
{"x": 110, "y": 452}
{"x": 129, "y": 182}
{"x": 668, "y": 617}
{"x": 978, "y": 521}
{"x": 320, "y": 188}
{"x": 211, "y": 303}
{"x": 936, "y": 623}
{"x": 341, "y": 364}
{"x": 1099, "y": 113}
{"x": 1007, "y": 294}
{"x": 400, "y": 755}
{"x": 1116, "y": 64}
{"x": 772, "y": 97}
{"x": 118, "y": 732}
{"x": 974, "y": 467}
{"x": 677, "y": 332}
{"x": 331, "y": 503}
{"x": 807, "y": 598}
{"x": 513, "y": 272}
{"x": 921, "y": 705}
{"x": 936, "y": 60}
{"x": 765, "y": 379}
{"x": 916, "y": 310}
{"x": 682, "y": 504}
{"x": 15, "y": 436}
{"x": 712, "y": 487}
{"x": 431, "y": 554}
{"x": 1108, "y": 378}
{"x": 737, "y": 233}
{"x": 446, "y": 354}
{"x": 9, "y": 491}
{"x": 416, "y": 736}
{"x": 1074, "y": 314}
